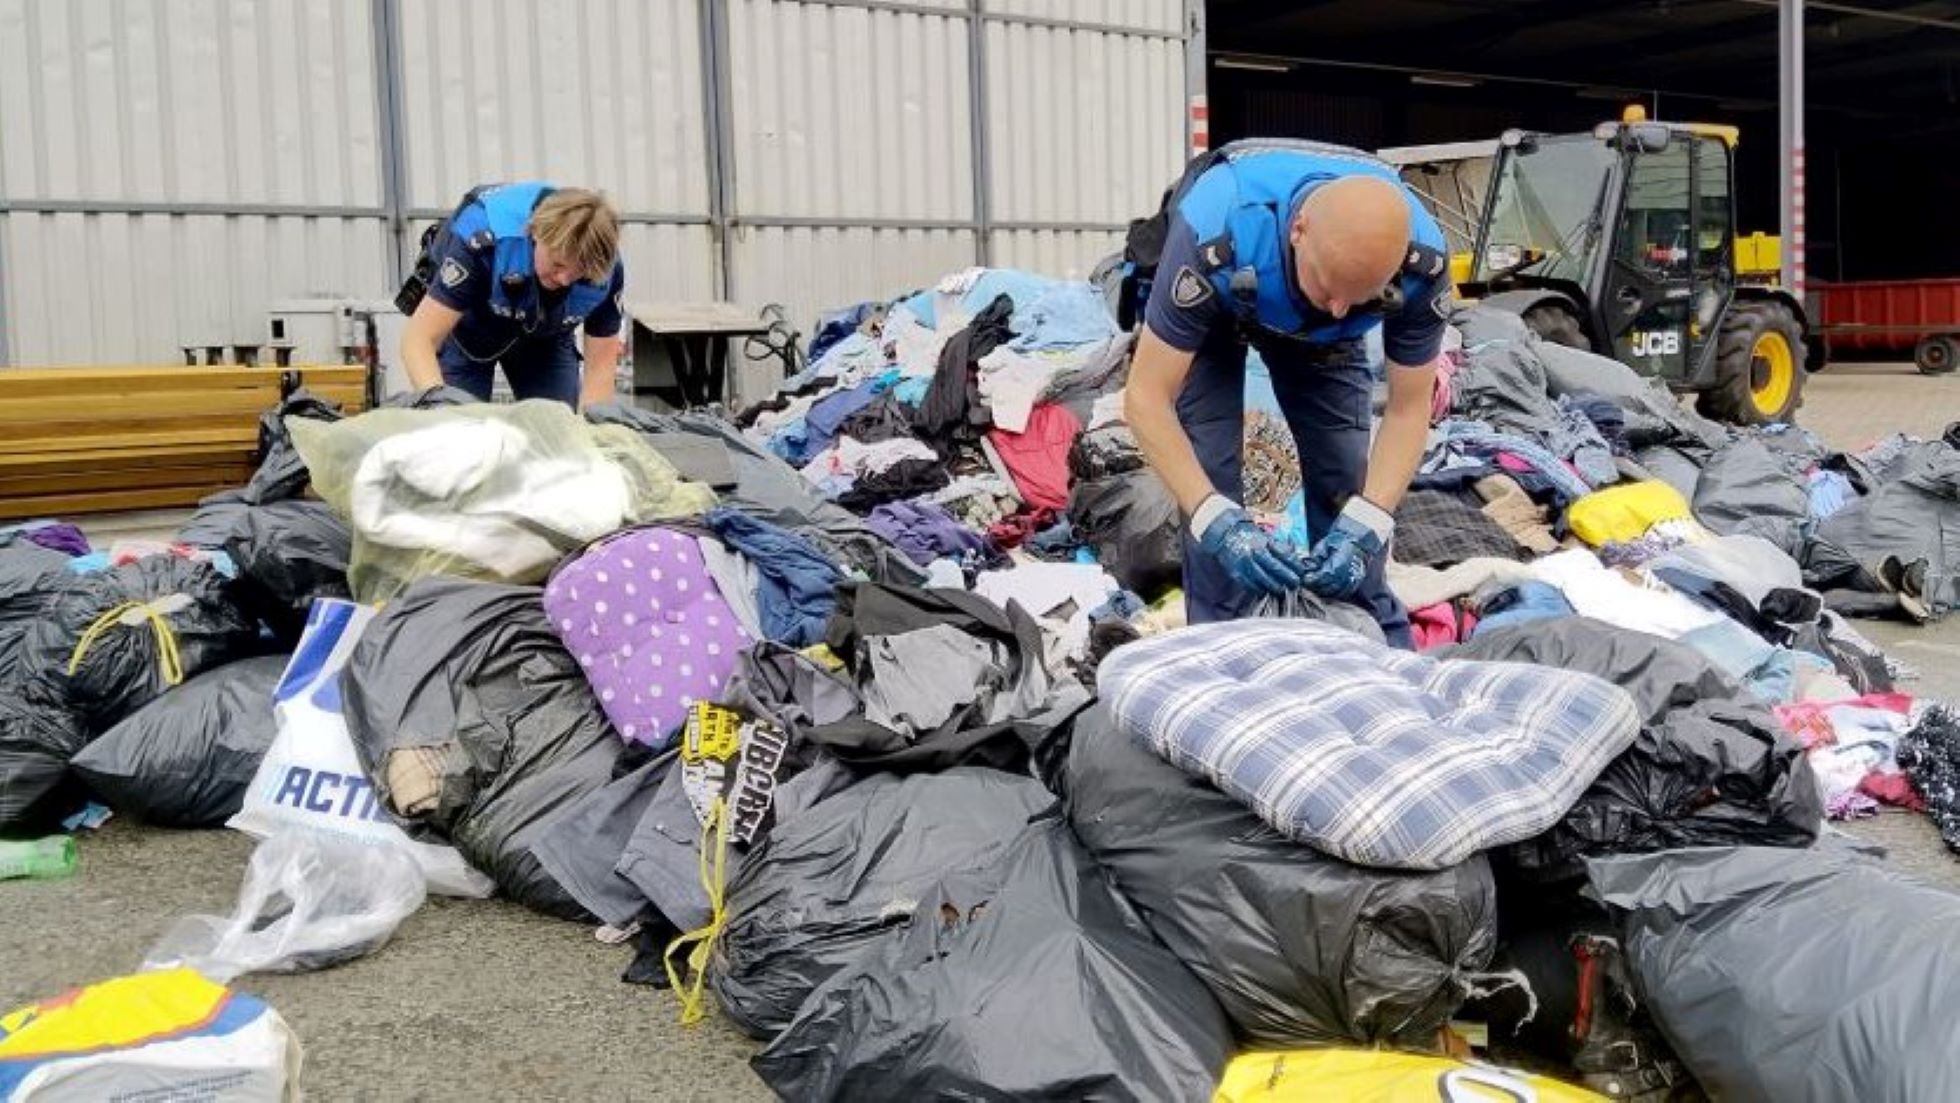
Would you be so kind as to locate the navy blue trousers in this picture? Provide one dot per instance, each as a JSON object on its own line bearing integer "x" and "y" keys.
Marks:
{"x": 546, "y": 367}
{"x": 1325, "y": 394}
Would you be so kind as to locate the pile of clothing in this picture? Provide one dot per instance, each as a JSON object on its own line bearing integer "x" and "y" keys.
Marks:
{"x": 869, "y": 713}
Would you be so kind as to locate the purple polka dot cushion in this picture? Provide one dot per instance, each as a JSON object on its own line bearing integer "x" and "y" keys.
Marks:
{"x": 642, "y": 615}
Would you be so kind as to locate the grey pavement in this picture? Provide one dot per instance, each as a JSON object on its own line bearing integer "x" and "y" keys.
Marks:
{"x": 484, "y": 1000}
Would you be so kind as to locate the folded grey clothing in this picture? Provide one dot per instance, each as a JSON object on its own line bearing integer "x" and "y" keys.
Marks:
{"x": 698, "y": 459}
{"x": 1027, "y": 979}
{"x": 832, "y": 882}
{"x": 1793, "y": 974}
{"x": 917, "y": 680}
{"x": 1298, "y": 947}
{"x": 1752, "y": 565}
{"x": 582, "y": 847}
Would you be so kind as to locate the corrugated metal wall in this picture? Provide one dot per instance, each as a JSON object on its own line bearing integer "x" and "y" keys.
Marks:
{"x": 171, "y": 166}
{"x": 161, "y": 163}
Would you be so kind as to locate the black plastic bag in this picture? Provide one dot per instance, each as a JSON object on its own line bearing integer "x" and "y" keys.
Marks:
{"x": 186, "y": 758}
{"x": 1028, "y": 979}
{"x": 471, "y": 717}
{"x": 1751, "y": 489}
{"x": 1711, "y": 765}
{"x": 29, "y": 575}
{"x": 1299, "y": 948}
{"x": 1793, "y": 974}
{"x": 122, "y": 668}
{"x": 281, "y": 472}
{"x": 287, "y": 553}
{"x": 1306, "y": 605}
{"x": 1134, "y": 525}
{"x": 827, "y": 885}
{"x": 37, "y": 738}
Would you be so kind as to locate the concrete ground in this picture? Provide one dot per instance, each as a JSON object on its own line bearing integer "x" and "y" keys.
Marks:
{"x": 484, "y": 1000}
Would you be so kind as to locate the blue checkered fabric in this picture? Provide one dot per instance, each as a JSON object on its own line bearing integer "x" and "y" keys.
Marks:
{"x": 1377, "y": 756}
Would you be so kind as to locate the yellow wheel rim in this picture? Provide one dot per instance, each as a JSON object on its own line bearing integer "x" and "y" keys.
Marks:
{"x": 1778, "y": 372}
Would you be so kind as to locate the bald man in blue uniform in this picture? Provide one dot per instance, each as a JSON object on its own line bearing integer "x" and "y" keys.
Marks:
{"x": 1299, "y": 250}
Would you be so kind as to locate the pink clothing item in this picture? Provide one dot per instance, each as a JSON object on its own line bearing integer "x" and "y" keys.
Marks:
{"x": 1810, "y": 721}
{"x": 1038, "y": 458}
{"x": 1440, "y": 625}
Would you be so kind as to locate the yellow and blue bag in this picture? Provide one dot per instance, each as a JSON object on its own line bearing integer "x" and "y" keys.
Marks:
{"x": 1383, "y": 1076}
{"x": 165, "y": 1035}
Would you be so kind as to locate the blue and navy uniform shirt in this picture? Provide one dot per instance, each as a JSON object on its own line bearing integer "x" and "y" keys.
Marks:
{"x": 485, "y": 270}
{"x": 1232, "y": 221}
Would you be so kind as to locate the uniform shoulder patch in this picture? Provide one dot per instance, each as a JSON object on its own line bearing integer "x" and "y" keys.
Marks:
{"x": 1189, "y": 289}
{"x": 1442, "y": 303}
{"x": 453, "y": 273}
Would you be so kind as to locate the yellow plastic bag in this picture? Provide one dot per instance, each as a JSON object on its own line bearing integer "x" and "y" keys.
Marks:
{"x": 1382, "y": 1076}
{"x": 164, "y": 1035}
{"x": 498, "y": 493}
{"x": 1622, "y": 513}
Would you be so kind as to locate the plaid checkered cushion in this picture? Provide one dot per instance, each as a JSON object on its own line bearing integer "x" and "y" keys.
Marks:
{"x": 1381, "y": 757}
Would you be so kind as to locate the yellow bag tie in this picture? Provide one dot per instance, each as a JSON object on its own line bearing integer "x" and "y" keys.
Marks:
{"x": 714, "y": 837}
{"x": 168, "y": 659}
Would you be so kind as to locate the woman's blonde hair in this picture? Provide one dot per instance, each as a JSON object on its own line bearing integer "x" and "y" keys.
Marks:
{"x": 581, "y": 226}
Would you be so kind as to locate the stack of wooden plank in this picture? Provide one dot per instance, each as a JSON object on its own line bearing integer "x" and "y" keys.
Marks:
{"x": 97, "y": 439}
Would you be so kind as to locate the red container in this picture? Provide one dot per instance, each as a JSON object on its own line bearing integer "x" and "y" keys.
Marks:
{"x": 1888, "y": 316}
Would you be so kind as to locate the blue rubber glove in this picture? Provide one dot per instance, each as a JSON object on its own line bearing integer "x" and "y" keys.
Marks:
{"x": 1341, "y": 560}
{"x": 1247, "y": 552}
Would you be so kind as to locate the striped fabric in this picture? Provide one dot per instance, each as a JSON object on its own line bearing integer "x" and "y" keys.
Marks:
{"x": 1377, "y": 756}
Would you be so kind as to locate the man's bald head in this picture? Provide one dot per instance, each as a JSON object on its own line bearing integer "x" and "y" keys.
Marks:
{"x": 1349, "y": 240}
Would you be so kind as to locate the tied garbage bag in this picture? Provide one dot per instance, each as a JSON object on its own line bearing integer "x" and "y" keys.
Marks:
{"x": 28, "y": 575}
{"x": 1710, "y": 766}
{"x": 1297, "y": 947}
{"x": 1374, "y": 1076}
{"x": 310, "y": 901}
{"x": 828, "y": 884}
{"x": 186, "y": 758}
{"x": 474, "y": 721}
{"x": 170, "y": 1035}
{"x": 287, "y": 554}
{"x": 109, "y": 643}
{"x": 1793, "y": 974}
{"x": 1307, "y": 605}
{"x": 1027, "y": 979}
{"x": 310, "y": 778}
{"x": 498, "y": 493}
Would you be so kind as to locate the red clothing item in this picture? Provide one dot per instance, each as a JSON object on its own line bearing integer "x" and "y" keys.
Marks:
{"x": 1440, "y": 625}
{"x": 1038, "y": 458}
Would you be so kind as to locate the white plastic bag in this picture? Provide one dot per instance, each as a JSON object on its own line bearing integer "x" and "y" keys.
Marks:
{"x": 311, "y": 778}
{"x": 310, "y": 901}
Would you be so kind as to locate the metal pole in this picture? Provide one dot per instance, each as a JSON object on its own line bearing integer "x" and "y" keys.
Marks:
{"x": 6, "y": 351}
{"x": 386, "y": 17}
{"x": 1197, "y": 122}
{"x": 983, "y": 165}
{"x": 716, "y": 92}
{"x": 1789, "y": 25}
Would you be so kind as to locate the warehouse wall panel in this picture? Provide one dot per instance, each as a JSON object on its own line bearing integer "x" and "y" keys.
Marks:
{"x": 1085, "y": 127}
{"x": 849, "y": 112}
{"x": 206, "y": 101}
{"x": 601, "y": 93}
{"x": 1072, "y": 255}
{"x": 1152, "y": 15}
{"x": 112, "y": 288}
